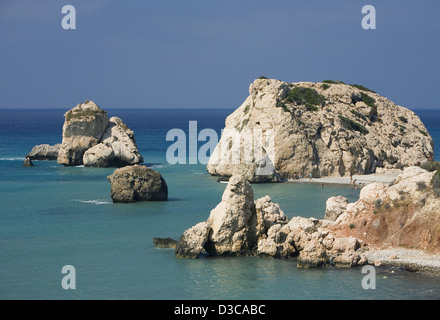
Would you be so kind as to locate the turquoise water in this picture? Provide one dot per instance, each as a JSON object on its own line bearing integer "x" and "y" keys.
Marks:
{"x": 53, "y": 216}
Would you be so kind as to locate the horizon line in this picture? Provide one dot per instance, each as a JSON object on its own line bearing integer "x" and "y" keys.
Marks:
{"x": 159, "y": 108}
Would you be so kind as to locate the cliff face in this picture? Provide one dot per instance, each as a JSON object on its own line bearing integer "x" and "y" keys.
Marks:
{"x": 405, "y": 214}
{"x": 90, "y": 138}
{"x": 324, "y": 129}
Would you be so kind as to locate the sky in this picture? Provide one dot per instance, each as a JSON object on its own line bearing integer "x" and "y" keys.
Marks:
{"x": 204, "y": 53}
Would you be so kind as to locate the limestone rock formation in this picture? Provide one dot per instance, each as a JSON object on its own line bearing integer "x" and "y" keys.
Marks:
{"x": 313, "y": 243}
{"x": 241, "y": 226}
{"x": 137, "y": 183}
{"x": 117, "y": 147}
{"x": 323, "y": 129}
{"x": 91, "y": 139}
{"x": 83, "y": 128}
{"x": 335, "y": 206}
{"x": 44, "y": 152}
{"x": 191, "y": 243}
{"x": 234, "y": 226}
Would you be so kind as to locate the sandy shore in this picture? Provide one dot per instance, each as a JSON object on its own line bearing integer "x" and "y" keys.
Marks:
{"x": 408, "y": 259}
{"x": 384, "y": 177}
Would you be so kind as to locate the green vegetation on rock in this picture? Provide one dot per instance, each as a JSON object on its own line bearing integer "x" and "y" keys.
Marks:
{"x": 358, "y": 114}
{"x": 361, "y": 87}
{"x": 369, "y": 101}
{"x": 333, "y": 82}
{"x": 353, "y": 125}
{"x": 403, "y": 119}
{"x": 307, "y": 96}
{"x": 83, "y": 113}
{"x": 430, "y": 166}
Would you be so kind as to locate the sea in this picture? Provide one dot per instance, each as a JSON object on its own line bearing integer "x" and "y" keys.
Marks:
{"x": 53, "y": 216}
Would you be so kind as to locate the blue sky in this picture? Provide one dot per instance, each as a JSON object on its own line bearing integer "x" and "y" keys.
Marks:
{"x": 204, "y": 54}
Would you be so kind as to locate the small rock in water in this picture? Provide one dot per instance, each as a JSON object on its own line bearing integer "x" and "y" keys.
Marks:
{"x": 28, "y": 162}
{"x": 165, "y": 243}
{"x": 44, "y": 152}
{"x": 137, "y": 183}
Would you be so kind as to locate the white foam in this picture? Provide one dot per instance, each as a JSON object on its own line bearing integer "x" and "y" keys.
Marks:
{"x": 12, "y": 159}
{"x": 95, "y": 202}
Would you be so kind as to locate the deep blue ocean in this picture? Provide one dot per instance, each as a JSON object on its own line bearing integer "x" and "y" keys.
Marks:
{"x": 52, "y": 216}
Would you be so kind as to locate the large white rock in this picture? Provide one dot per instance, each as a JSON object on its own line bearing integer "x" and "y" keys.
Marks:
{"x": 192, "y": 241}
{"x": 83, "y": 128}
{"x": 117, "y": 147}
{"x": 296, "y": 140}
{"x": 91, "y": 139}
{"x": 235, "y": 225}
{"x": 335, "y": 206}
{"x": 228, "y": 221}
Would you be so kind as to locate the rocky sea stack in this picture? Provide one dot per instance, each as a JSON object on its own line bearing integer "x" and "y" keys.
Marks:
{"x": 234, "y": 225}
{"x": 137, "y": 183}
{"x": 90, "y": 138}
{"x": 241, "y": 226}
{"x": 322, "y": 129}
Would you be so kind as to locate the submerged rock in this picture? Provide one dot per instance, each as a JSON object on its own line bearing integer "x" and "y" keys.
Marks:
{"x": 323, "y": 129}
{"x": 165, "y": 243}
{"x": 44, "y": 152}
{"x": 137, "y": 183}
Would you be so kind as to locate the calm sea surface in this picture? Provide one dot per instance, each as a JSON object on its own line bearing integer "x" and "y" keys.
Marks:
{"x": 51, "y": 216}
